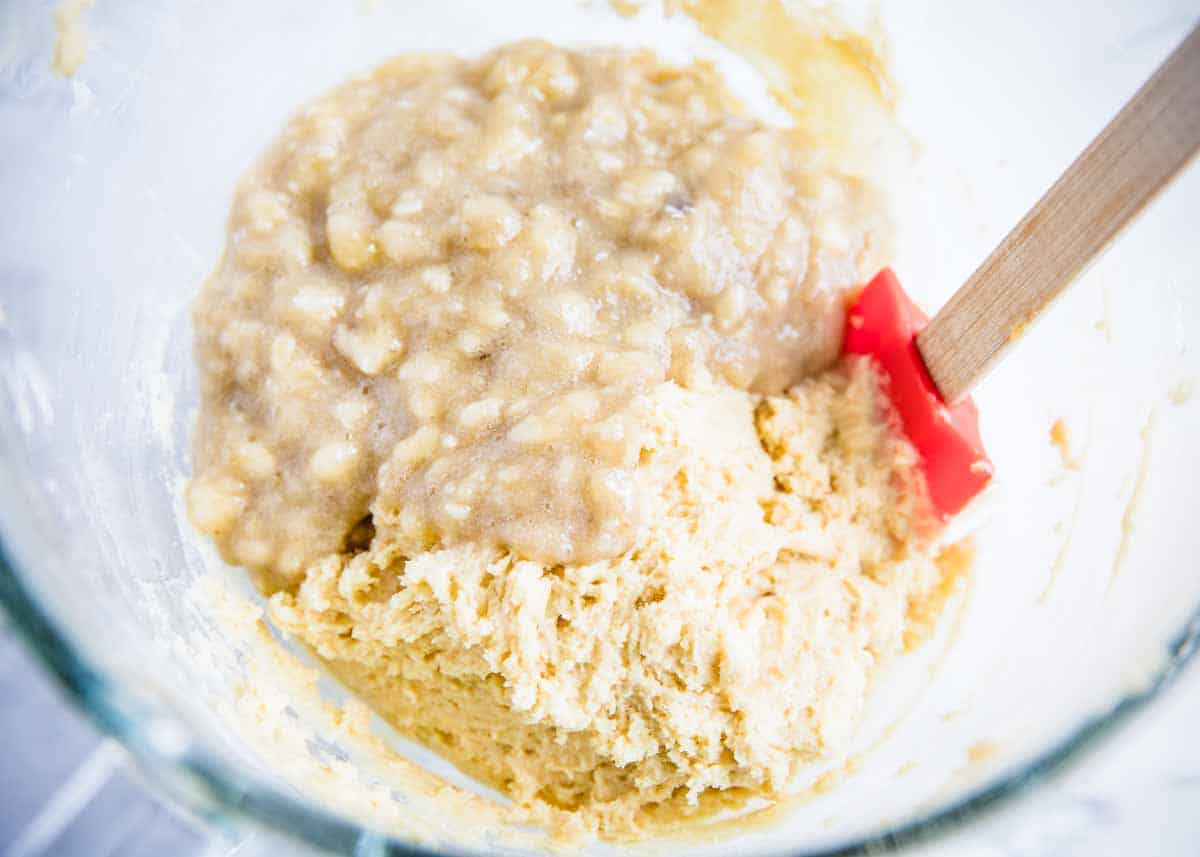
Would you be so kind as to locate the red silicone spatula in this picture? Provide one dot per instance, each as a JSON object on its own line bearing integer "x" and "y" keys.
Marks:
{"x": 930, "y": 367}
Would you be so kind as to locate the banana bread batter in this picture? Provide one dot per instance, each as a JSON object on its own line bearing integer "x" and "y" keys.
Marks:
{"x": 521, "y": 401}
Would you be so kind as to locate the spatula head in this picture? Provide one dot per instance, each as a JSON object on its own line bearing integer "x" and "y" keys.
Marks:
{"x": 883, "y": 324}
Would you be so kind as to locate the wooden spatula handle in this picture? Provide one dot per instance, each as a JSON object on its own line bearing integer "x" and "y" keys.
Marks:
{"x": 1149, "y": 141}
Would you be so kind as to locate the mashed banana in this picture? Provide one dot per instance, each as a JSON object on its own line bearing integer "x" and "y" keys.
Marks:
{"x": 493, "y": 377}
{"x": 447, "y": 281}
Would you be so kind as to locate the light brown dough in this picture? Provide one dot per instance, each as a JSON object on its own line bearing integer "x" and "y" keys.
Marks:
{"x": 493, "y": 378}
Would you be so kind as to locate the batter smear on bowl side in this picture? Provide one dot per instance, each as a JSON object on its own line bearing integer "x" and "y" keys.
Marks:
{"x": 522, "y": 402}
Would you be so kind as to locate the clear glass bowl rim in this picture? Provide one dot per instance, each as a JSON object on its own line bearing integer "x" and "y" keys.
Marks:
{"x": 209, "y": 787}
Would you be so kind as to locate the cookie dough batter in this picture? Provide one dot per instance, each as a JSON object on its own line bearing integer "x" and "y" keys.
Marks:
{"x": 518, "y": 401}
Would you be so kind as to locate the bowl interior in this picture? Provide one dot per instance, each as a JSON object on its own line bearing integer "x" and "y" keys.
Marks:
{"x": 116, "y": 184}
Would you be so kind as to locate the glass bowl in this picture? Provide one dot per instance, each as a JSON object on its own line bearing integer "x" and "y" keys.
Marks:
{"x": 1083, "y": 601}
